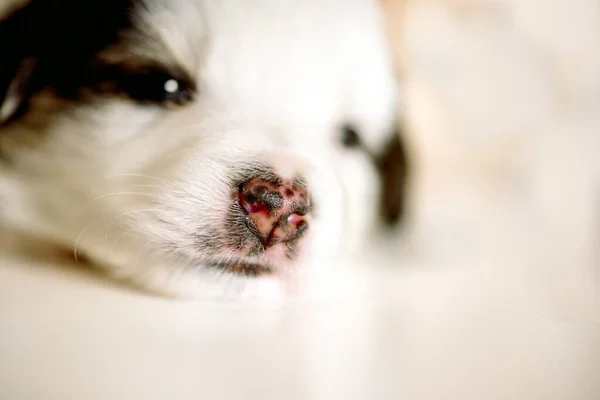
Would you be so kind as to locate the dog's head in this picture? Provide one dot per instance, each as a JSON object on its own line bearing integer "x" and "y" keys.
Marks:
{"x": 225, "y": 141}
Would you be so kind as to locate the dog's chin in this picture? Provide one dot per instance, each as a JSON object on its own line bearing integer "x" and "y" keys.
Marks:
{"x": 227, "y": 274}
{"x": 243, "y": 268}
{"x": 274, "y": 262}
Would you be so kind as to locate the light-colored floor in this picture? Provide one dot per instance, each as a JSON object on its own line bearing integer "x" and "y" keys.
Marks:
{"x": 420, "y": 336}
{"x": 497, "y": 293}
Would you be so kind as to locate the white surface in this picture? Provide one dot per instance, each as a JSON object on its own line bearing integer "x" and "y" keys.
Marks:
{"x": 433, "y": 335}
{"x": 496, "y": 299}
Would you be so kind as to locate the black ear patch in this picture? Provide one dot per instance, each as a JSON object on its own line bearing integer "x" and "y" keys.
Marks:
{"x": 69, "y": 48}
{"x": 393, "y": 168}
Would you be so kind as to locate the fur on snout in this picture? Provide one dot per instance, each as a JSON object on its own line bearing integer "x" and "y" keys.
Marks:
{"x": 126, "y": 129}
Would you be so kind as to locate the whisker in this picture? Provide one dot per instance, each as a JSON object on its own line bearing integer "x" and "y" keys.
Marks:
{"x": 121, "y": 193}
{"x": 77, "y": 241}
{"x": 113, "y": 220}
{"x": 148, "y": 186}
{"x": 118, "y": 239}
{"x": 154, "y": 178}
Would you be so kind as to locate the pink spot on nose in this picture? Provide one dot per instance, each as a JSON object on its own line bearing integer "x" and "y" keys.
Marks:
{"x": 295, "y": 219}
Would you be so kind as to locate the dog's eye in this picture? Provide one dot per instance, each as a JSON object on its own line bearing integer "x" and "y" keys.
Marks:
{"x": 177, "y": 92}
{"x": 146, "y": 84}
{"x": 156, "y": 85}
{"x": 349, "y": 137}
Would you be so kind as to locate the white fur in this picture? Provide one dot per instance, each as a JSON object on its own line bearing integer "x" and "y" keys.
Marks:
{"x": 277, "y": 78}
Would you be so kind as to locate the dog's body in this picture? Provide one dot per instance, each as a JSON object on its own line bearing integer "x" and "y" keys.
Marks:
{"x": 134, "y": 132}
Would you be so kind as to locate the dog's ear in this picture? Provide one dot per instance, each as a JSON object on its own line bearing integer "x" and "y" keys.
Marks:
{"x": 18, "y": 60}
{"x": 393, "y": 166}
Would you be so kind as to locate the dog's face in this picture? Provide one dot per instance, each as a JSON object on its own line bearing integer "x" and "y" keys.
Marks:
{"x": 199, "y": 146}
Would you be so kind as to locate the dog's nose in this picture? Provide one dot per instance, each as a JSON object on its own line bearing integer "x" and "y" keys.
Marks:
{"x": 277, "y": 211}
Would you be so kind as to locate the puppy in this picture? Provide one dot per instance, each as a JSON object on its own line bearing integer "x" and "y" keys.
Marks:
{"x": 199, "y": 147}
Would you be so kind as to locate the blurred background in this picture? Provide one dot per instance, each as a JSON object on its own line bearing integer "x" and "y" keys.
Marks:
{"x": 492, "y": 293}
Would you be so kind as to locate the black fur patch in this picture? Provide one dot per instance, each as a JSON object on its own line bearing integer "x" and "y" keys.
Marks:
{"x": 62, "y": 40}
{"x": 393, "y": 169}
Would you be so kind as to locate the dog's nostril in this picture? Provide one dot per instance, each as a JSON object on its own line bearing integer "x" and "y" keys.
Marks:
{"x": 276, "y": 211}
{"x": 251, "y": 204}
